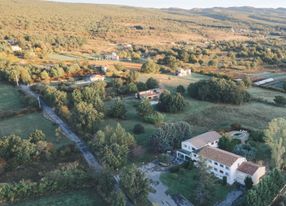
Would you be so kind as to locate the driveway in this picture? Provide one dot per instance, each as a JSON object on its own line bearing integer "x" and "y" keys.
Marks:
{"x": 159, "y": 195}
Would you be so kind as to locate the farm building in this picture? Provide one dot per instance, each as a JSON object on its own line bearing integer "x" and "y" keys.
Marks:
{"x": 183, "y": 72}
{"x": 152, "y": 94}
{"x": 220, "y": 163}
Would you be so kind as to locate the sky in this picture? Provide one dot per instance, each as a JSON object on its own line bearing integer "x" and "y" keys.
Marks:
{"x": 188, "y": 4}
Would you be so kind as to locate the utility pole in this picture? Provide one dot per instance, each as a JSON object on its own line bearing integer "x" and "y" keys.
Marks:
{"x": 39, "y": 101}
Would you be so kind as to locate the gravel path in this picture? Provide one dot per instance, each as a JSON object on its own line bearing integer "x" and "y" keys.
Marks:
{"x": 159, "y": 196}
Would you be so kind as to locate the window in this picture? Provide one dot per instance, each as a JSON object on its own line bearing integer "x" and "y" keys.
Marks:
{"x": 216, "y": 163}
{"x": 193, "y": 149}
{"x": 221, "y": 171}
{"x": 195, "y": 155}
{"x": 226, "y": 174}
{"x": 220, "y": 165}
{"x": 215, "y": 169}
{"x": 227, "y": 168}
{"x": 185, "y": 146}
{"x": 212, "y": 143}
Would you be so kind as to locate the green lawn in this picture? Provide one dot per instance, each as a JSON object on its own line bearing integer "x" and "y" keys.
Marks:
{"x": 185, "y": 182}
{"x": 76, "y": 198}
{"x": 24, "y": 124}
{"x": 10, "y": 98}
{"x": 266, "y": 94}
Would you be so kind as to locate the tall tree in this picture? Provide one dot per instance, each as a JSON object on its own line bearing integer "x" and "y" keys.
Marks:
{"x": 134, "y": 182}
{"x": 275, "y": 137}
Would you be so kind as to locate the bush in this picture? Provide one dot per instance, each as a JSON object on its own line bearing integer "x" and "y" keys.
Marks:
{"x": 189, "y": 165}
{"x": 172, "y": 103}
{"x": 280, "y": 100}
{"x": 152, "y": 83}
{"x": 154, "y": 118}
{"x": 181, "y": 89}
{"x": 138, "y": 129}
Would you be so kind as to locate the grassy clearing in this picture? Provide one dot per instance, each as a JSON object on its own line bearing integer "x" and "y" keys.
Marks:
{"x": 266, "y": 94}
{"x": 76, "y": 198}
{"x": 10, "y": 98}
{"x": 185, "y": 182}
{"x": 23, "y": 125}
{"x": 172, "y": 81}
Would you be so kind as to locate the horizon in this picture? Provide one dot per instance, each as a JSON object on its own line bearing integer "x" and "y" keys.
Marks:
{"x": 184, "y": 4}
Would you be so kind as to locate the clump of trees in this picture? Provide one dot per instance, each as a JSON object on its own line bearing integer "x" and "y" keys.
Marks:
{"x": 68, "y": 176}
{"x": 219, "y": 90}
{"x": 169, "y": 136}
{"x": 150, "y": 67}
{"x": 227, "y": 143}
{"x": 264, "y": 192}
{"x": 169, "y": 102}
{"x": 112, "y": 146}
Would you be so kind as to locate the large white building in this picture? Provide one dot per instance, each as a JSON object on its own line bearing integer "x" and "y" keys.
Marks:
{"x": 219, "y": 162}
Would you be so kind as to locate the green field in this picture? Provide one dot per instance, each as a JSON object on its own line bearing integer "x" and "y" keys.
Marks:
{"x": 76, "y": 198}
{"x": 24, "y": 124}
{"x": 185, "y": 182}
{"x": 10, "y": 98}
{"x": 266, "y": 94}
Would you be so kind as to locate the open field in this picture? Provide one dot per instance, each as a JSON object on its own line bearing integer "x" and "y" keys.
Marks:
{"x": 266, "y": 94}
{"x": 23, "y": 125}
{"x": 76, "y": 198}
{"x": 172, "y": 81}
{"x": 9, "y": 98}
{"x": 185, "y": 182}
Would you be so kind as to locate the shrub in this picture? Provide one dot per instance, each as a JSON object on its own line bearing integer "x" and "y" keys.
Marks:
{"x": 224, "y": 180}
{"x": 280, "y": 100}
{"x": 152, "y": 83}
{"x": 138, "y": 129}
{"x": 154, "y": 118}
{"x": 181, "y": 89}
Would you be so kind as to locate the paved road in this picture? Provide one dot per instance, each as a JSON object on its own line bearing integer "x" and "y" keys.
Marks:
{"x": 88, "y": 156}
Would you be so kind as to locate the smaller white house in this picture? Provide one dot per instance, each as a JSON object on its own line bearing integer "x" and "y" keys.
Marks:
{"x": 152, "y": 94}
{"x": 96, "y": 77}
{"x": 113, "y": 56}
{"x": 183, "y": 72}
{"x": 220, "y": 163}
{"x": 16, "y": 48}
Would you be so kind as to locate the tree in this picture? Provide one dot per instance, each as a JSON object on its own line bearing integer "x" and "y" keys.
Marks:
{"x": 171, "y": 102}
{"x": 150, "y": 67}
{"x": 228, "y": 144}
{"x": 85, "y": 117}
{"x": 144, "y": 108}
{"x": 248, "y": 182}
{"x": 138, "y": 129}
{"x": 154, "y": 118}
{"x": 275, "y": 137}
{"x": 152, "y": 83}
{"x": 141, "y": 86}
{"x": 181, "y": 89}
{"x": 132, "y": 88}
{"x": 280, "y": 100}
{"x": 133, "y": 76}
{"x": 204, "y": 192}
{"x": 36, "y": 136}
{"x": 112, "y": 146}
{"x": 118, "y": 199}
{"x": 170, "y": 135}
{"x": 118, "y": 109}
{"x": 247, "y": 81}
{"x": 134, "y": 182}
{"x": 44, "y": 75}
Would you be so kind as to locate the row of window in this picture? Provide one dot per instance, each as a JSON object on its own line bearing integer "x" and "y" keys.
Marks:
{"x": 221, "y": 165}
{"x": 220, "y": 171}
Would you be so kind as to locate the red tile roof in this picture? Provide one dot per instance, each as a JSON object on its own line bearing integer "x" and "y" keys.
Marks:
{"x": 248, "y": 168}
{"x": 218, "y": 155}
